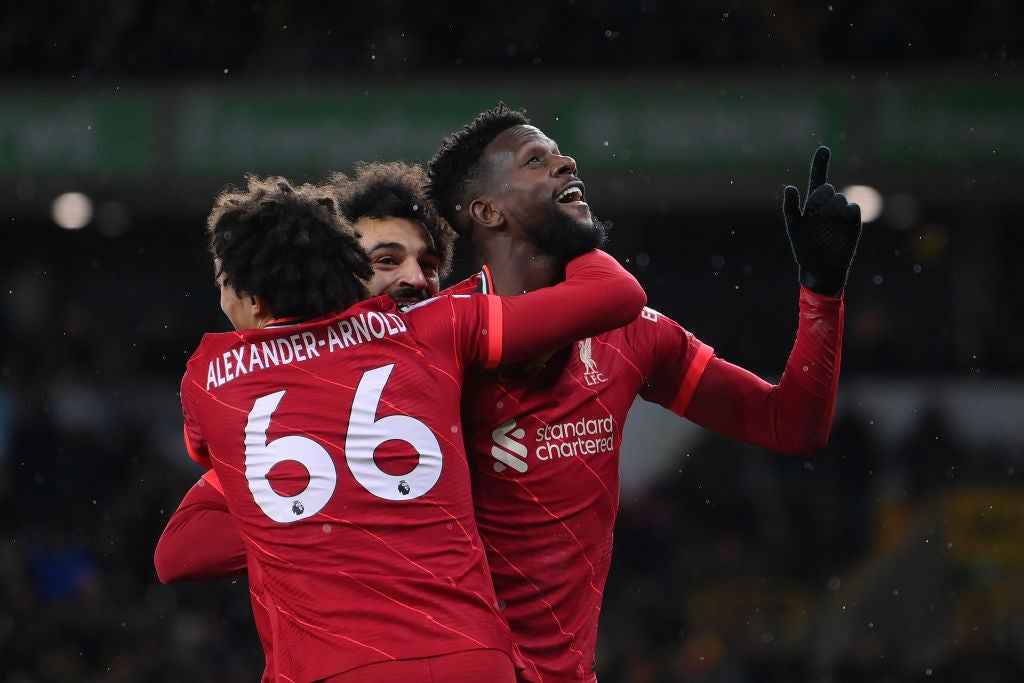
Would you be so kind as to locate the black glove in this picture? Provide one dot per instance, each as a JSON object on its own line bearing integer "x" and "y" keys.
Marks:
{"x": 825, "y": 233}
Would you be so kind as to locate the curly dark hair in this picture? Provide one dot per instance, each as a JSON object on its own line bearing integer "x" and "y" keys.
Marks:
{"x": 456, "y": 165}
{"x": 394, "y": 190}
{"x": 288, "y": 246}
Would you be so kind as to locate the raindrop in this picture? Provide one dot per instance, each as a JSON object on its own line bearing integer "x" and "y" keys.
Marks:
{"x": 877, "y": 279}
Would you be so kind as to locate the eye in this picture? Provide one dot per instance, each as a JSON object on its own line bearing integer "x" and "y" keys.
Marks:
{"x": 386, "y": 261}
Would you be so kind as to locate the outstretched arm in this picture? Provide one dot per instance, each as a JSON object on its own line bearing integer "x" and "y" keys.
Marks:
{"x": 597, "y": 295}
{"x": 794, "y": 416}
{"x": 201, "y": 540}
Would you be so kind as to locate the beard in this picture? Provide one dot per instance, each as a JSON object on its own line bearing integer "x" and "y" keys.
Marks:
{"x": 565, "y": 238}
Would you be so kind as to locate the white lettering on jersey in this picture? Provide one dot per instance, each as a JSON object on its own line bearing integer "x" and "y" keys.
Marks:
{"x": 297, "y": 348}
{"x": 575, "y": 439}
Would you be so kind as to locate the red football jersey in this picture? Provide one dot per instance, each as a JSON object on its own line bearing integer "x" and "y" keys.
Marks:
{"x": 544, "y": 444}
{"x": 339, "y": 447}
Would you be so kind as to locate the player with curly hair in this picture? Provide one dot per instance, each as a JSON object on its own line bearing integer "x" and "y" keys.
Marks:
{"x": 332, "y": 424}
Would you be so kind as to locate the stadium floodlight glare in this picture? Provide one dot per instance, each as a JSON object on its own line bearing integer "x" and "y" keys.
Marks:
{"x": 71, "y": 210}
{"x": 868, "y": 198}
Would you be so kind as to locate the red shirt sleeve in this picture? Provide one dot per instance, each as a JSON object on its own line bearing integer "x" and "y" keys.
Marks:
{"x": 597, "y": 295}
{"x": 195, "y": 445}
{"x": 201, "y": 540}
{"x": 793, "y": 416}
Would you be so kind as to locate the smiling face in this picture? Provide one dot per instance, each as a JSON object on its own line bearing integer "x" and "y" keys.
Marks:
{"x": 535, "y": 189}
{"x": 403, "y": 258}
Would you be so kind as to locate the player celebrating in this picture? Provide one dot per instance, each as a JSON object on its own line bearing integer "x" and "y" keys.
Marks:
{"x": 545, "y": 436}
{"x": 337, "y": 441}
{"x": 410, "y": 248}
{"x": 409, "y": 244}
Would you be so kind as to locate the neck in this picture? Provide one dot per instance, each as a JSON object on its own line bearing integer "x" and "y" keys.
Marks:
{"x": 517, "y": 266}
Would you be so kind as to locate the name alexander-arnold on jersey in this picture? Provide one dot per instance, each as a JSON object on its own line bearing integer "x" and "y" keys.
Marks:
{"x": 247, "y": 358}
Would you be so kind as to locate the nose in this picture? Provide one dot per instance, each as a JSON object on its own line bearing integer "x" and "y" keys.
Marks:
{"x": 412, "y": 275}
{"x": 565, "y": 165}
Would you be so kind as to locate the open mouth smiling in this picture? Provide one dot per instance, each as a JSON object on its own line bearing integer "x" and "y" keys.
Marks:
{"x": 571, "y": 193}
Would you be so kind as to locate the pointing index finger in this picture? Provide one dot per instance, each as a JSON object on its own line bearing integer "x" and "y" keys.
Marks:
{"x": 819, "y": 169}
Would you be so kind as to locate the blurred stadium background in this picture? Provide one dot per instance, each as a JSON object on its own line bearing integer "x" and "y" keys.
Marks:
{"x": 895, "y": 555}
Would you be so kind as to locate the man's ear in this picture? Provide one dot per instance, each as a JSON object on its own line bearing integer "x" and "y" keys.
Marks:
{"x": 260, "y": 309}
{"x": 485, "y": 214}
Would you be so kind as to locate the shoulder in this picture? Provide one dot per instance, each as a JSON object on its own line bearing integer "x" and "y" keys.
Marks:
{"x": 650, "y": 320}
{"x": 478, "y": 282}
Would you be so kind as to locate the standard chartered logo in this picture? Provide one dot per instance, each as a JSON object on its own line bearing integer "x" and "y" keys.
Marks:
{"x": 506, "y": 451}
{"x": 580, "y": 438}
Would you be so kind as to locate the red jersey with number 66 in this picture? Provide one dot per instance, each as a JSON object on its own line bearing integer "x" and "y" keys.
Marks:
{"x": 339, "y": 447}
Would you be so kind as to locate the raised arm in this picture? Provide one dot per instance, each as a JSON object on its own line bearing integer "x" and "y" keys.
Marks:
{"x": 795, "y": 415}
{"x": 200, "y": 540}
{"x": 597, "y": 295}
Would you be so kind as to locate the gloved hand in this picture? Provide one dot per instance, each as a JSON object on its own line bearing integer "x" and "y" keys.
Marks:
{"x": 824, "y": 234}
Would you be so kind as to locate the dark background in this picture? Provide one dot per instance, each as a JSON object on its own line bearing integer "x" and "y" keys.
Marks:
{"x": 892, "y": 556}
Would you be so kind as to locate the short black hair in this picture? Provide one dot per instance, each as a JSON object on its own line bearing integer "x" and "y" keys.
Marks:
{"x": 457, "y": 163}
{"x": 288, "y": 246}
{"x": 394, "y": 190}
